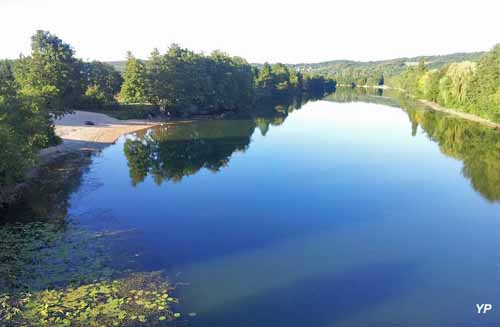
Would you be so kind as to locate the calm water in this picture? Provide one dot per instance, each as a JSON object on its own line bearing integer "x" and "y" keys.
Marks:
{"x": 342, "y": 214}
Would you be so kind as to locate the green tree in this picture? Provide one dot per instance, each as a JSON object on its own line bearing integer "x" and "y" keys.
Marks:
{"x": 133, "y": 89}
{"x": 23, "y": 131}
{"x": 483, "y": 97}
{"x": 51, "y": 76}
{"x": 265, "y": 81}
{"x": 103, "y": 83}
{"x": 429, "y": 84}
{"x": 158, "y": 81}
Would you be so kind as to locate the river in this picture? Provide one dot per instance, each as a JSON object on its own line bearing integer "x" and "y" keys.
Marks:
{"x": 349, "y": 211}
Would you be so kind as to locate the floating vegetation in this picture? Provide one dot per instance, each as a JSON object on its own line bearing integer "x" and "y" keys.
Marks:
{"x": 137, "y": 299}
{"x": 54, "y": 274}
{"x": 40, "y": 255}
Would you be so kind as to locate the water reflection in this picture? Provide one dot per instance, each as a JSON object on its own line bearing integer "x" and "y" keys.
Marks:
{"x": 386, "y": 97}
{"x": 47, "y": 197}
{"x": 173, "y": 151}
{"x": 477, "y": 146}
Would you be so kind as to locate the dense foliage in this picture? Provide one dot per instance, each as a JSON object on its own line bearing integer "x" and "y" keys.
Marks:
{"x": 24, "y": 129}
{"x": 182, "y": 82}
{"x": 37, "y": 88}
{"x": 102, "y": 83}
{"x": 467, "y": 86}
{"x": 134, "y": 85}
{"x": 51, "y": 76}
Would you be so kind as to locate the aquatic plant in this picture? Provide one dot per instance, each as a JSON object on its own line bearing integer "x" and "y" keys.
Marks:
{"x": 41, "y": 255}
{"x": 54, "y": 274}
{"x": 139, "y": 298}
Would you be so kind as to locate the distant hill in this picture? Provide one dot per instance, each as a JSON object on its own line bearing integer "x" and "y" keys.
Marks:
{"x": 119, "y": 65}
{"x": 388, "y": 67}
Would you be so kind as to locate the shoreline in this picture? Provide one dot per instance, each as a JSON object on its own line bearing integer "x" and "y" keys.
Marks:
{"x": 461, "y": 114}
{"x": 76, "y": 135}
{"x": 436, "y": 107}
{"x": 79, "y": 139}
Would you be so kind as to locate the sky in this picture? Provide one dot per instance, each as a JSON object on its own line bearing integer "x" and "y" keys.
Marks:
{"x": 271, "y": 30}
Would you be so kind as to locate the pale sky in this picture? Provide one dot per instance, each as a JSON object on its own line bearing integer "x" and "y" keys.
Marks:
{"x": 285, "y": 31}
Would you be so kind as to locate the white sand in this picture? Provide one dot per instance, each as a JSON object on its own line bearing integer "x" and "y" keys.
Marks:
{"x": 77, "y": 135}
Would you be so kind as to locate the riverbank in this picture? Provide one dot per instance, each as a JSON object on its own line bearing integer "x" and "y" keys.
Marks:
{"x": 89, "y": 131}
{"x": 82, "y": 133}
{"x": 437, "y": 107}
{"x": 461, "y": 114}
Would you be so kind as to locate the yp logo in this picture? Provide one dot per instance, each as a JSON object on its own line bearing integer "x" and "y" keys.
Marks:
{"x": 483, "y": 308}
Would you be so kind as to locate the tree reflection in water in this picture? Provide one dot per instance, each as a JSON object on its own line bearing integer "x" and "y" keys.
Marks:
{"x": 172, "y": 151}
{"x": 477, "y": 146}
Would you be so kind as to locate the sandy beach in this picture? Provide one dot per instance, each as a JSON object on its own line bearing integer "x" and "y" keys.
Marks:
{"x": 77, "y": 135}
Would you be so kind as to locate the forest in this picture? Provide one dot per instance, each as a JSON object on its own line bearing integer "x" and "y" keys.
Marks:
{"x": 51, "y": 81}
{"x": 181, "y": 82}
{"x": 472, "y": 87}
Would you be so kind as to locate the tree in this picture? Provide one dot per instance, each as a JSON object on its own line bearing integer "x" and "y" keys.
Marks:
{"x": 265, "y": 81}
{"x": 484, "y": 90}
{"x": 23, "y": 131}
{"x": 51, "y": 75}
{"x": 102, "y": 82}
{"x": 421, "y": 66}
{"x": 429, "y": 84}
{"x": 460, "y": 76}
{"x": 281, "y": 79}
{"x": 7, "y": 80}
{"x": 133, "y": 89}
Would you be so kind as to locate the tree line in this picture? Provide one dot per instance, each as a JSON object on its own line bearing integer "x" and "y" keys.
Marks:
{"x": 182, "y": 82}
{"x": 52, "y": 81}
{"x": 468, "y": 86}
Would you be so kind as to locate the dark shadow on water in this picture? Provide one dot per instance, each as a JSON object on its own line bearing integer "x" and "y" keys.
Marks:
{"x": 46, "y": 195}
{"x": 68, "y": 145}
